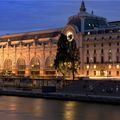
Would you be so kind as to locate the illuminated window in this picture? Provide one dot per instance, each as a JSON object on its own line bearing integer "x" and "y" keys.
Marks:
{"x": 87, "y": 67}
{"x": 8, "y": 65}
{"x": 35, "y": 63}
{"x": 110, "y": 50}
{"x": 117, "y": 66}
{"x": 49, "y": 63}
{"x": 95, "y": 66}
{"x": 110, "y": 66}
{"x": 21, "y": 64}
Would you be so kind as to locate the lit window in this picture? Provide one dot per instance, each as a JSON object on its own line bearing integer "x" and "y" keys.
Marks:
{"x": 117, "y": 66}
{"x": 95, "y": 66}
{"x": 110, "y": 66}
{"x": 87, "y": 67}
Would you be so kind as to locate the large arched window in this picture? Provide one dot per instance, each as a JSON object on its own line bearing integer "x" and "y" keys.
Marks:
{"x": 21, "y": 64}
{"x": 35, "y": 63}
{"x": 8, "y": 65}
{"x": 49, "y": 63}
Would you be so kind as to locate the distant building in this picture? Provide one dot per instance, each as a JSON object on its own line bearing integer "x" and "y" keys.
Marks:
{"x": 114, "y": 23}
{"x": 33, "y": 53}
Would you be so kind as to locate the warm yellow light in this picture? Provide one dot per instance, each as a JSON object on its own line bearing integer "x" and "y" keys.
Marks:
{"x": 110, "y": 66}
{"x": 95, "y": 66}
{"x": 87, "y": 67}
{"x": 117, "y": 66}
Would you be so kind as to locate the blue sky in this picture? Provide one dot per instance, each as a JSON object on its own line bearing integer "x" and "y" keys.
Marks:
{"x": 29, "y": 15}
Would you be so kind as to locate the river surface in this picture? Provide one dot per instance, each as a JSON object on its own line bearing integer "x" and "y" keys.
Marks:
{"x": 18, "y": 108}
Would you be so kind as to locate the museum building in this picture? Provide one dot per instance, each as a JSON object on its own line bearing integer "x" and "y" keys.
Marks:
{"x": 33, "y": 53}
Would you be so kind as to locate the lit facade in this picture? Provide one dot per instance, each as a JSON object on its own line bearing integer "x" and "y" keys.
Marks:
{"x": 33, "y": 53}
{"x": 30, "y": 53}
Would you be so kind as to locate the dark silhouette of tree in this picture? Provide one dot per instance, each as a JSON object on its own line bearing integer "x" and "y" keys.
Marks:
{"x": 67, "y": 57}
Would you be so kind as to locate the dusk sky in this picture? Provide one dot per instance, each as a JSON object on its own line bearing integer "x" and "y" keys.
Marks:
{"x": 30, "y": 15}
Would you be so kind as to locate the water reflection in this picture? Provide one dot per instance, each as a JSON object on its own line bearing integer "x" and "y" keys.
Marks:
{"x": 16, "y": 108}
{"x": 69, "y": 110}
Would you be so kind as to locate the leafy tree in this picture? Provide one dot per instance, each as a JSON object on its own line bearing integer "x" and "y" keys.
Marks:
{"x": 67, "y": 56}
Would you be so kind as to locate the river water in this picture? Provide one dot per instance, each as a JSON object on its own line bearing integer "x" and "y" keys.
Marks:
{"x": 18, "y": 108}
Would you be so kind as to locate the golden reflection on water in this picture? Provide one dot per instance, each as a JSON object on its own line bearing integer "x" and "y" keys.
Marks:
{"x": 38, "y": 107}
{"x": 13, "y": 106}
{"x": 13, "y": 103}
{"x": 69, "y": 110}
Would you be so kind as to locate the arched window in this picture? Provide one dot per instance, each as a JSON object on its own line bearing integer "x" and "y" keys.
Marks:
{"x": 49, "y": 63}
{"x": 35, "y": 63}
{"x": 8, "y": 65}
{"x": 21, "y": 64}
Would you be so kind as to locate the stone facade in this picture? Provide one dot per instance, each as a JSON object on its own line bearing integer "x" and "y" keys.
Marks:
{"x": 29, "y": 53}
{"x": 33, "y": 53}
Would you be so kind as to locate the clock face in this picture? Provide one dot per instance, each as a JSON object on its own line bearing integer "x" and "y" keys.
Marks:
{"x": 70, "y": 36}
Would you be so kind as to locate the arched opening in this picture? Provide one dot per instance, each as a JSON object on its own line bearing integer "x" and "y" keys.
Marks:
{"x": 21, "y": 66}
{"x": 35, "y": 66}
{"x": 7, "y": 67}
{"x": 49, "y": 65}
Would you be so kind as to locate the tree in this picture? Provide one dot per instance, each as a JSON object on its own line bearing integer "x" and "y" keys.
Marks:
{"x": 74, "y": 57}
{"x": 67, "y": 57}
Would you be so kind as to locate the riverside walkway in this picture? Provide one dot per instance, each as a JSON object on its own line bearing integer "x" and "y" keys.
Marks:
{"x": 105, "y": 91}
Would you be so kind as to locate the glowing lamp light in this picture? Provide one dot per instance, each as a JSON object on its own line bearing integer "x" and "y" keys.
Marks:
{"x": 95, "y": 66}
{"x": 87, "y": 67}
{"x": 110, "y": 66}
{"x": 117, "y": 66}
{"x": 70, "y": 36}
